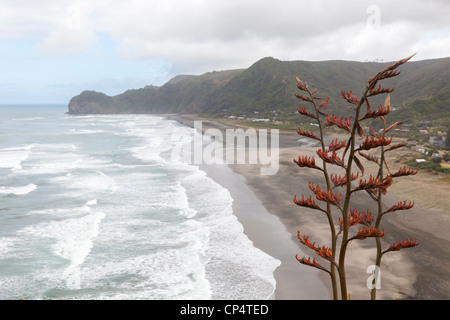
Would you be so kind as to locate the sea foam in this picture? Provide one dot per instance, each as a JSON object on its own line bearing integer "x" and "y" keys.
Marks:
{"x": 18, "y": 191}
{"x": 109, "y": 214}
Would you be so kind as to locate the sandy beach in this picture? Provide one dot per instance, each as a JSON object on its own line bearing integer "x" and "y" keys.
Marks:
{"x": 264, "y": 206}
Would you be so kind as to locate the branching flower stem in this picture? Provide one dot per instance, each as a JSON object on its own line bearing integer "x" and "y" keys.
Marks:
{"x": 328, "y": 210}
{"x": 375, "y": 186}
{"x": 345, "y": 209}
{"x": 373, "y": 291}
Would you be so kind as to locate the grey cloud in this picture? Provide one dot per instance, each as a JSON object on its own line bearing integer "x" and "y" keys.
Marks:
{"x": 228, "y": 33}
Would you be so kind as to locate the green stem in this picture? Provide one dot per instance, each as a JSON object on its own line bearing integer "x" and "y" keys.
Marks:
{"x": 345, "y": 210}
{"x": 329, "y": 216}
{"x": 373, "y": 292}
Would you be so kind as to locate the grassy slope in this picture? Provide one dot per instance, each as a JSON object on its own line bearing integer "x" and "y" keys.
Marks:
{"x": 268, "y": 87}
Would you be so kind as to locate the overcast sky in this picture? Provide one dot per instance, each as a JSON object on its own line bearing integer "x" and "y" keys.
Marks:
{"x": 51, "y": 50}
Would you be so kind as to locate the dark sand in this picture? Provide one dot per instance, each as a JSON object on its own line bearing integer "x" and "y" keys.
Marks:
{"x": 263, "y": 204}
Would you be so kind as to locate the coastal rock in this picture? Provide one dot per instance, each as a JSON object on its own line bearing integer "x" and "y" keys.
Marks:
{"x": 92, "y": 102}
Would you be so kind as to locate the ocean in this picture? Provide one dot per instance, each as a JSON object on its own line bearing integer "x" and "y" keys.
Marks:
{"x": 95, "y": 207}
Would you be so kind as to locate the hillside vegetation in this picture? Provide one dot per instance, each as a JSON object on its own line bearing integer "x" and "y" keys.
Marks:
{"x": 266, "y": 90}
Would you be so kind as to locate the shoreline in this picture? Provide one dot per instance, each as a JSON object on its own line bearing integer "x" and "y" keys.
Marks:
{"x": 269, "y": 234}
{"x": 419, "y": 273}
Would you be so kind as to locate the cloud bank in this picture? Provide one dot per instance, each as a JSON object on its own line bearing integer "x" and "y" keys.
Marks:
{"x": 231, "y": 33}
{"x": 197, "y": 36}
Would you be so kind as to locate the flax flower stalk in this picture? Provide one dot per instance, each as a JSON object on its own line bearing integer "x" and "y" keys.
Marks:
{"x": 343, "y": 155}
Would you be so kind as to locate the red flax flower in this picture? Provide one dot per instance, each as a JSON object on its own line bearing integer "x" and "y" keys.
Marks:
{"x": 341, "y": 122}
{"x": 306, "y": 113}
{"x": 368, "y": 233}
{"x": 380, "y": 90}
{"x": 400, "y": 206}
{"x": 334, "y": 159}
{"x": 310, "y": 263}
{"x": 336, "y": 145}
{"x": 373, "y": 142}
{"x": 356, "y": 217}
{"x": 350, "y": 97}
{"x": 326, "y": 196}
{"x": 299, "y": 96}
{"x": 323, "y": 251}
{"x": 402, "y": 245}
{"x": 374, "y": 183}
{"x": 307, "y": 134}
{"x": 308, "y": 202}
{"x": 387, "y": 72}
{"x": 340, "y": 181}
{"x": 404, "y": 172}
{"x": 308, "y": 162}
{"x": 301, "y": 85}
{"x": 381, "y": 112}
{"x": 323, "y": 103}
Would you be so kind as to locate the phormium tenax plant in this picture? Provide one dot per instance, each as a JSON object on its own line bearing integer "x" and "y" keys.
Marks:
{"x": 350, "y": 155}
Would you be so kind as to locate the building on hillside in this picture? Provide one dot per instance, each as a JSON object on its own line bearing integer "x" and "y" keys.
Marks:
{"x": 419, "y": 149}
{"x": 438, "y": 141}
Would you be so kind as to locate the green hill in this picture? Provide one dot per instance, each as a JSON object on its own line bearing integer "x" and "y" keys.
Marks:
{"x": 267, "y": 88}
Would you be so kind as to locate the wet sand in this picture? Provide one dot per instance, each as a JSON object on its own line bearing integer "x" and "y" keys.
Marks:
{"x": 264, "y": 206}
